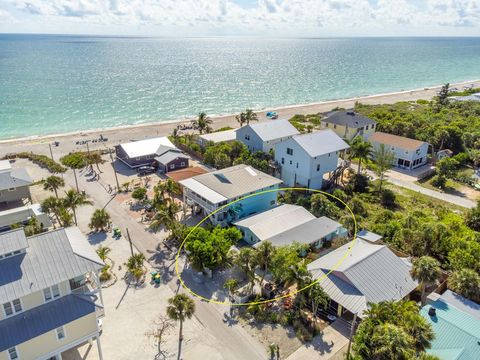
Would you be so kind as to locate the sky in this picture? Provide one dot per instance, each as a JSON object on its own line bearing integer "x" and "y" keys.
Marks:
{"x": 268, "y": 18}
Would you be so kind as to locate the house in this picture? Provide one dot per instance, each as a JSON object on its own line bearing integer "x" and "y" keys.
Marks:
{"x": 305, "y": 159}
{"x": 472, "y": 97}
{"x": 361, "y": 272}
{"x": 264, "y": 136}
{"x": 159, "y": 152}
{"x": 286, "y": 224}
{"x": 348, "y": 124}
{"x": 49, "y": 294}
{"x": 217, "y": 137}
{"x": 210, "y": 192}
{"x": 14, "y": 184}
{"x": 456, "y": 324}
{"x": 22, "y": 214}
{"x": 445, "y": 153}
{"x": 409, "y": 153}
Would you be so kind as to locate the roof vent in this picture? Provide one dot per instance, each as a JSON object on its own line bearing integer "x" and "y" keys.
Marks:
{"x": 432, "y": 311}
{"x": 351, "y": 113}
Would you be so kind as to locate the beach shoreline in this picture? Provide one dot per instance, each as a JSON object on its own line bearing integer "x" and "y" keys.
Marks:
{"x": 125, "y": 133}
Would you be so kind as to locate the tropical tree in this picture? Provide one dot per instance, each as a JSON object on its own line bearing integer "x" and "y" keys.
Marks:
{"x": 361, "y": 150}
{"x": 317, "y": 297}
{"x": 180, "y": 308}
{"x": 134, "y": 266}
{"x": 139, "y": 194}
{"x": 74, "y": 161}
{"x": 426, "y": 270}
{"x": 55, "y": 207}
{"x": 442, "y": 98}
{"x": 202, "y": 123}
{"x": 264, "y": 253}
{"x": 73, "y": 200}
{"x": 171, "y": 188}
{"x": 102, "y": 252}
{"x": 466, "y": 282}
{"x": 473, "y": 218}
{"x": 165, "y": 215}
{"x": 383, "y": 161}
{"x": 53, "y": 183}
{"x": 100, "y": 220}
{"x": 246, "y": 261}
{"x": 250, "y": 116}
{"x": 392, "y": 342}
{"x": 241, "y": 119}
{"x": 322, "y": 206}
{"x": 33, "y": 227}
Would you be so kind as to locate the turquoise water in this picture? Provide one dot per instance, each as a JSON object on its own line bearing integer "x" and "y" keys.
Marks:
{"x": 55, "y": 84}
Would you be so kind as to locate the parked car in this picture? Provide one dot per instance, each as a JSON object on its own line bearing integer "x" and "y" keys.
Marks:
{"x": 145, "y": 170}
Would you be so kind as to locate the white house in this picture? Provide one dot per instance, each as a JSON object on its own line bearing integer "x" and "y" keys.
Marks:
{"x": 304, "y": 159}
{"x": 264, "y": 136}
{"x": 409, "y": 153}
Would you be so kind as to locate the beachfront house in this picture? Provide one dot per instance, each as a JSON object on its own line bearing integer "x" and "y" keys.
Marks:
{"x": 50, "y": 295}
{"x": 409, "y": 153}
{"x": 286, "y": 224}
{"x": 21, "y": 216}
{"x": 263, "y": 136}
{"x": 14, "y": 185}
{"x": 456, "y": 324}
{"x": 217, "y": 137}
{"x": 305, "y": 159}
{"x": 370, "y": 273}
{"x": 349, "y": 124}
{"x": 472, "y": 97}
{"x": 207, "y": 193}
{"x": 158, "y": 152}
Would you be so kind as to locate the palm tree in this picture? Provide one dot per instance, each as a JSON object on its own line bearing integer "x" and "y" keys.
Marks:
{"x": 246, "y": 261}
{"x": 361, "y": 150}
{"x": 264, "y": 255}
{"x": 392, "y": 342}
{"x": 74, "y": 161}
{"x": 241, "y": 119}
{"x": 73, "y": 200}
{"x": 134, "y": 265}
{"x": 100, "y": 220}
{"x": 426, "y": 270}
{"x": 102, "y": 252}
{"x": 383, "y": 162}
{"x": 180, "y": 308}
{"x": 56, "y": 207}
{"x": 202, "y": 124}
{"x": 171, "y": 188}
{"x": 466, "y": 282}
{"x": 166, "y": 215}
{"x": 53, "y": 183}
{"x": 250, "y": 116}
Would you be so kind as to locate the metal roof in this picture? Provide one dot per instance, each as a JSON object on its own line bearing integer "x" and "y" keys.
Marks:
{"x": 29, "y": 324}
{"x": 219, "y": 136}
{"x": 320, "y": 142}
{"x": 457, "y": 333}
{"x": 51, "y": 258}
{"x": 267, "y": 224}
{"x": 14, "y": 178}
{"x": 374, "y": 270}
{"x": 12, "y": 240}
{"x": 230, "y": 183}
{"x": 20, "y": 214}
{"x": 348, "y": 118}
{"x": 274, "y": 129}
{"x": 467, "y": 306}
{"x": 146, "y": 147}
{"x": 169, "y": 156}
{"x": 306, "y": 233}
{"x": 395, "y": 141}
{"x": 369, "y": 236}
{"x": 5, "y": 165}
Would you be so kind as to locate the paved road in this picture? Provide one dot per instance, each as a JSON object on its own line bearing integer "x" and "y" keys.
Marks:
{"x": 230, "y": 342}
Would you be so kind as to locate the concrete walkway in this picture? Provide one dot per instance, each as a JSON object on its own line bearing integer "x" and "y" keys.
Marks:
{"x": 324, "y": 346}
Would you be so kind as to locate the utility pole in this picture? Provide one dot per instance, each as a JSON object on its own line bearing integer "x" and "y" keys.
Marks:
{"x": 114, "y": 171}
{"x": 130, "y": 241}
{"x": 51, "y": 153}
{"x": 352, "y": 330}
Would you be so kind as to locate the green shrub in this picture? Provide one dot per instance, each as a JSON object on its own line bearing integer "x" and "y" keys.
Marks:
{"x": 388, "y": 198}
{"x": 439, "y": 181}
{"x": 43, "y": 161}
{"x": 423, "y": 102}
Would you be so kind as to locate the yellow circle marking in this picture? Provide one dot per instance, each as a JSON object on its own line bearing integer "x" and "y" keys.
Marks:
{"x": 177, "y": 257}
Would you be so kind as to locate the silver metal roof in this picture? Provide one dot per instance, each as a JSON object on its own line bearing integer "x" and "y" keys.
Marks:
{"x": 267, "y": 224}
{"x": 146, "y": 147}
{"x": 373, "y": 270}
{"x": 12, "y": 240}
{"x": 233, "y": 182}
{"x": 320, "y": 142}
{"x": 14, "y": 178}
{"x": 169, "y": 156}
{"x": 348, "y": 118}
{"x": 461, "y": 303}
{"x": 274, "y": 129}
{"x": 51, "y": 258}
{"x": 219, "y": 136}
{"x": 307, "y": 233}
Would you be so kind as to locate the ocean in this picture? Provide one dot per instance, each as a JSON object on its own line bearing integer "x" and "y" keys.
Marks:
{"x": 55, "y": 84}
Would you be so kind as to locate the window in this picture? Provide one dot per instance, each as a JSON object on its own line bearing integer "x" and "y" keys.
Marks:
{"x": 297, "y": 165}
{"x": 172, "y": 166}
{"x": 318, "y": 167}
{"x": 329, "y": 154}
{"x": 290, "y": 162}
{"x": 326, "y": 124}
{"x": 247, "y": 137}
{"x": 283, "y": 160}
{"x": 11, "y": 189}
{"x": 14, "y": 307}
{"x": 51, "y": 293}
{"x": 406, "y": 151}
{"x": 366, "y": 127}
{"x": 335, "y": 126}
{"x": 47, "y": 294}
{"x": 55, "y": 291}
{"x": 12, "y": 353}
{"x": 182, "y": 163}
{"x": 289, "y": 151}
{"x": 373, "y": 126}
{"x": 61, "y": 333}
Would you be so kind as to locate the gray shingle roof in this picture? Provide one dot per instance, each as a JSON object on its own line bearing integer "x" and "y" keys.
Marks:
{"x": 12, "y": 240}
{"x": 348, "y": 118}
{"x": 274, "y": 129}
{"x": 306, "y": 233}
{"x": 14, "y": 178}
{"x": 41, "y": 319}
{"x": 373, "y": 270}
{"x": 236, "y": 181}
{"x": 51, "y": 258}
{"x": 320, "y": 142}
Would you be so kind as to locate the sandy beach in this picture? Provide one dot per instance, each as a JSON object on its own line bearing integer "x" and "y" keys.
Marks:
{"x": 137, "y": 132}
